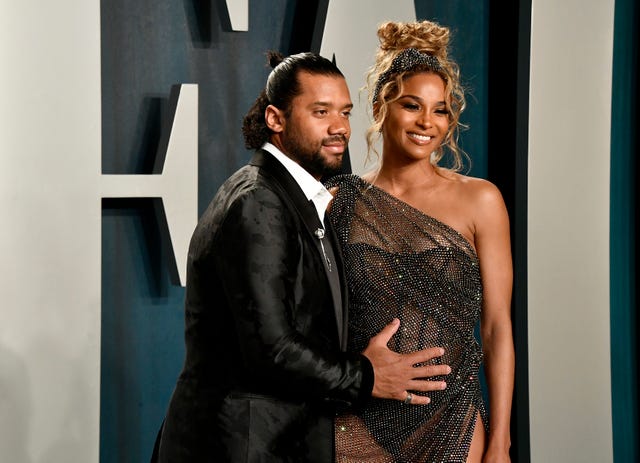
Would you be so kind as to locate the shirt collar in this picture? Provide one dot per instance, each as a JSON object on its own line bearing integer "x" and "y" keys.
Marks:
{"x": 312, "y": 189}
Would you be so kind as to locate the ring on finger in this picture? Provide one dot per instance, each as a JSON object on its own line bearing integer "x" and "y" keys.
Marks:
{"x": 408, "y": 399}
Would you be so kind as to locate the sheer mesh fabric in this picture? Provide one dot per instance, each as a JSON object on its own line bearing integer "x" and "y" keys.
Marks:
{"x": 402, "y": 263}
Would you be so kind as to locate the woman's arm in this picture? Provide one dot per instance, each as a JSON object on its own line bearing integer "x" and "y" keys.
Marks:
{"x": 492, "y": 240}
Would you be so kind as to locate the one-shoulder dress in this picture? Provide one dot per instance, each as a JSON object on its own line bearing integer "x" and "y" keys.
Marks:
{"x": 400, "y": 262}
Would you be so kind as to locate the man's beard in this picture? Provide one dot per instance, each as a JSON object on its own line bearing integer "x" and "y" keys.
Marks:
{"x": 310, "y": 158}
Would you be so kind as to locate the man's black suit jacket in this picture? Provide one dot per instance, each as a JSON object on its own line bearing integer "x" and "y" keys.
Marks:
{"x": 265, "y": 365}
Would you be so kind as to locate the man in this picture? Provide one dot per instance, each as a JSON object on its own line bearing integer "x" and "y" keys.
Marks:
{"x": 265, "y": 366}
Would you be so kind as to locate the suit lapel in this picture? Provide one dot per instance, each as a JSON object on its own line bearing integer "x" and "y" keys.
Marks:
{"x": 309, "y": 217}
{"x": 342, "y": 318}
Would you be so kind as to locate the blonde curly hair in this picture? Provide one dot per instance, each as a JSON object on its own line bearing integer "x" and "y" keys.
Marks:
{"x": 384, "y": 86}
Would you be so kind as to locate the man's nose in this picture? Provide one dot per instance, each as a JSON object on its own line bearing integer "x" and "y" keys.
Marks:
{"x": 339, "y": 125}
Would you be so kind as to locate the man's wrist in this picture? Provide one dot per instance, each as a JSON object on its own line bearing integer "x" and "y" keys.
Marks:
{"x": 366, "y": 384}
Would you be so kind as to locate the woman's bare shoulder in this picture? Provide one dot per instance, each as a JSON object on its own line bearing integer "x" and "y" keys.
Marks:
{"x": 478, "y": 187}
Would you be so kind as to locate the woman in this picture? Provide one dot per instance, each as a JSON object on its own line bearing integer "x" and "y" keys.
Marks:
{"x": 429, "y": 246}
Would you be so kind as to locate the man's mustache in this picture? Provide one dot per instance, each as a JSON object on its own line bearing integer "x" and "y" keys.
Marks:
{"x": 335, "y": 139}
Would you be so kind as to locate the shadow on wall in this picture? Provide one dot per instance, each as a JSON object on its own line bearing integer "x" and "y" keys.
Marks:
{"x": 15, "y": 407}
{"x": 201, "y": 15}
{"x": 68, "y": 444}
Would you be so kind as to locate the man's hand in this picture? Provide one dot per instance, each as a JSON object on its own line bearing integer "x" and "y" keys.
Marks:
{"x": 395, "y": 374}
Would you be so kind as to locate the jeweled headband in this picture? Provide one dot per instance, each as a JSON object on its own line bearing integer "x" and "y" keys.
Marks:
{"x": 407, "y": 60}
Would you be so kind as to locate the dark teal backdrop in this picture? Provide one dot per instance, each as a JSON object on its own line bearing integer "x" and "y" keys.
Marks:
{"x": 150, "y": 45}
{"x": 625, "y": 150}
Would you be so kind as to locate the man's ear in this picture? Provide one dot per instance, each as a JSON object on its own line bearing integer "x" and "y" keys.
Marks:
{"x": 274, "y": 118}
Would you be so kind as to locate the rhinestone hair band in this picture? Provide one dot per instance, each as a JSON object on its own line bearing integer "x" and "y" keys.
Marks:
{"x": 407, "y": 60}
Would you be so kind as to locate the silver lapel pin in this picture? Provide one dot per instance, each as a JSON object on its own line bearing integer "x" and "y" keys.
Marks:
{"x": 320, "y": 235}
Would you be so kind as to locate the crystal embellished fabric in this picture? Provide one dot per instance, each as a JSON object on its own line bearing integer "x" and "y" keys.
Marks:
{"x": 402, "y": 263}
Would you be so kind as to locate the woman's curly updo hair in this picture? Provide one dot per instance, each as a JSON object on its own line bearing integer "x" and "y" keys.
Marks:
{"x": 385, "y": 78}
{"x": 282, "y": 87}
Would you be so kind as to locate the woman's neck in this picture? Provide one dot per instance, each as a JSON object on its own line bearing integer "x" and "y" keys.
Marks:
{"x": 393, "y": 177}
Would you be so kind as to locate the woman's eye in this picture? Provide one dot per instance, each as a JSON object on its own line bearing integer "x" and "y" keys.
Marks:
{"x": 411, "y": 106}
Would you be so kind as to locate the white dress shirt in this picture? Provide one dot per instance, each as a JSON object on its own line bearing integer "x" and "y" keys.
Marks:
{"x": 312, "y": 188}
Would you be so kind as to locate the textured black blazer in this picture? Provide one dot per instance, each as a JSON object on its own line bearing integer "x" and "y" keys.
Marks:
{"x": 265, "y": 366}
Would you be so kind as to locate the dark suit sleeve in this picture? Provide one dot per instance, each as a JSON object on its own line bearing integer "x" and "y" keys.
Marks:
{"x": 271, "y": 283}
